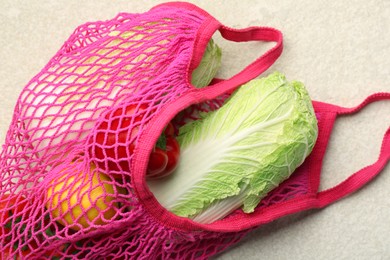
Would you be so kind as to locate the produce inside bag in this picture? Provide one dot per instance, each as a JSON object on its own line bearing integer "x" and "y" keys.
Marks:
{"x": 48, "y": 193}
{"x": 69, "y": 176}
{"x": 92, "y": 186}
{"x": 234, "y": 156}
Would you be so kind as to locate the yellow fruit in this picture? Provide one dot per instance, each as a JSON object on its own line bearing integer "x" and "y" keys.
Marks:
{"x": 83, "y": 198}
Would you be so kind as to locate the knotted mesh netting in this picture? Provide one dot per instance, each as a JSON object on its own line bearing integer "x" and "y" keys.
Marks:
{"x": 66, "y": 189}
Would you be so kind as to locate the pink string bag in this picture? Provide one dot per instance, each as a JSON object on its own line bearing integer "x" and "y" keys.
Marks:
{"x": 58, "y": 198}
{"x": 58, "y": 195}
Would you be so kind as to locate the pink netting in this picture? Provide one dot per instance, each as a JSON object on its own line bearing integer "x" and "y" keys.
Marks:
{"x": 58, "y": 198}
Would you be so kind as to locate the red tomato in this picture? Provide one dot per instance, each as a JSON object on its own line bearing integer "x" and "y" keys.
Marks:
{"x": 157, "y": 162}
{"x": 10, "y": 205}
{"x": 24, "y": 255}
{"x": 11, "y": 212}
{"x": 169, "y": 130}
{"x": 173, "y": 153}
{"x": 114, "y": 144}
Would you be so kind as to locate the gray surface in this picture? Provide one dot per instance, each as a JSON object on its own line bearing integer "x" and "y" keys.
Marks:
{"x": 340, "y": 50}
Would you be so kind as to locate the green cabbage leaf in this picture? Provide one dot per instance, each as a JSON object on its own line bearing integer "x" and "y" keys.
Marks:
{"x": 208, "y": 66}
{"x": 234, "y": 156}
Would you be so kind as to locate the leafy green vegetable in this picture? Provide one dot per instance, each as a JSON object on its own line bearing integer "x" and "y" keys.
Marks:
{"x": 234, "y": 156}
{"x": 208, "y": 67}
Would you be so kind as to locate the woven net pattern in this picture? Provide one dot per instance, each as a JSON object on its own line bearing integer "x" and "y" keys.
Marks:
{"x": 109, "y": 78}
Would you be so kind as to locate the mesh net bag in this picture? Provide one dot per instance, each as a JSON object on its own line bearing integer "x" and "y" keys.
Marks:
{"x": 67, "y": 191}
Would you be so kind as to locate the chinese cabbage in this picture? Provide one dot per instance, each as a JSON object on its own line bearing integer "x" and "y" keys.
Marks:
{"x": 234, "y": 156}
{"x": 208, "y": 66}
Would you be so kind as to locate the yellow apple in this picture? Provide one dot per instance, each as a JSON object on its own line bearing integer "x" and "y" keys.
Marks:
{"x": 79, "y": 199}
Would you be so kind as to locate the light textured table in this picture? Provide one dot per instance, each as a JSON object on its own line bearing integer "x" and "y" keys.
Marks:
{"x": 339, "y": 49}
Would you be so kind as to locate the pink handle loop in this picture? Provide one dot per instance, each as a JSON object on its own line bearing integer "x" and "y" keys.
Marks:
{"x": 365, "y": 175}
{"x": 254, "y": 69}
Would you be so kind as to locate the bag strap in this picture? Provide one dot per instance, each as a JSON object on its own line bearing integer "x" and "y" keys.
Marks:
{"x": 255, "y": 68}
{"x": 264, "y": 61}
{"x": 365, "y": 175}
{"x": 254, "y": 33}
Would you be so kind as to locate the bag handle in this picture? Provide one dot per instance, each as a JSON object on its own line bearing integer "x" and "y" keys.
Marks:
{"x": 255, "y": 68}
{"x": 264, "y": 61}
{"x": 254, "y": 33}
{"x": 365, "y": 175}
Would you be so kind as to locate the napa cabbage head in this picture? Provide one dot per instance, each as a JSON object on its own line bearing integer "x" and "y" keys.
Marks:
{"x": 234, "y": 156}
{"x": 208, "y": 66}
